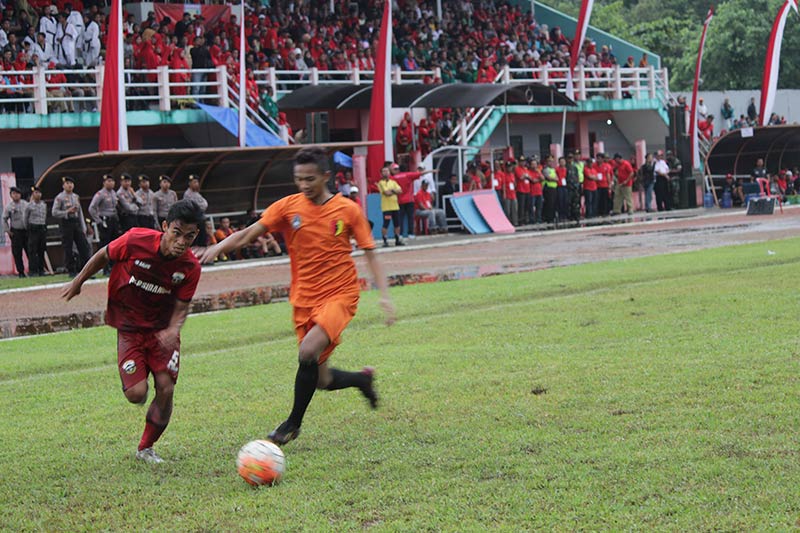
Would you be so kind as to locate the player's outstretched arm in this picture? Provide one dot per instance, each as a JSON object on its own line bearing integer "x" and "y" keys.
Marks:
{"x": 94, "y": 265}
{"x": 234, "y": 242}
{"x": 376, "y": 269}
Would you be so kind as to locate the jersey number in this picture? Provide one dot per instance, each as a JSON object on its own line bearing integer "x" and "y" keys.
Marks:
{"x": 174, "y": 362}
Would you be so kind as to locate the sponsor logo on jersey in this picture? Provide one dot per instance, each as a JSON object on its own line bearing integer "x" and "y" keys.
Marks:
{"x": 129, "y": 366}
{"x": 296, "y": 222}
{"x": 149, "y": 287}
{"x": 141, "y": 264}
{"x": 178, "y": 277}
{"x": 337, "y": 227}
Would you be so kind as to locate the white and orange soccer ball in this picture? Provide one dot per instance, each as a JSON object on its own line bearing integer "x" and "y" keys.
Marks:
{"x": 261, "y": 462}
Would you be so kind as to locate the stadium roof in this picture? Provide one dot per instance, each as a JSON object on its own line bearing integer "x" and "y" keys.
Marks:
{"x": 230, "y": 178}
{"x": 778, "y": 146}
{"x": 425, "y": 95}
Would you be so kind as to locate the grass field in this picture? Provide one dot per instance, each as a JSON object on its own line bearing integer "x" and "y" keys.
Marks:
{"x": 657, "y": 393}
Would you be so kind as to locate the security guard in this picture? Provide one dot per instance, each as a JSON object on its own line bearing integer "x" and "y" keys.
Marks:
{"x": 165, "y": 197}
{"x": 36, "y": 222}
{"x": 145, "y": 197}
{"x": 128, "y": 204}
{"x": 14, "y": 225}
{"x": 103, "y": 210}
{"x": 67, "y": 208}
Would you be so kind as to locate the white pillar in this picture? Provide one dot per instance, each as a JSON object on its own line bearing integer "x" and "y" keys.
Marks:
{"x": 581, "y": 83}
{"x": 39, "y": 91}
{"x": 222, "y": 87}
{"x": 314, "y": 76}
{"x": 617, "y": 83}
{"x": 163, "y": 88}
{"x": 651, "y": 81}
{"x": 273, "y": 82}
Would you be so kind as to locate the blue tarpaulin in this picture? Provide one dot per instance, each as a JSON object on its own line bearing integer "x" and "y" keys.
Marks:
{"x": 228, "y": 118}
{"x": 343, "y": 160}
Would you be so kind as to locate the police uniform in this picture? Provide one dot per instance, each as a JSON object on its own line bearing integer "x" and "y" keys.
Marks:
{"x": 164, "y": 201}
{"x": 197, "y": 198}
{"x": 574, "y": 192}
{"x": 146, "y": 216}
{"x": 103, "y": 210}
{"x": 128, "y": 206}
{"x": 36, "y": 222}
{"x": 14, "y": 225}
{"x": 73, "y": 229}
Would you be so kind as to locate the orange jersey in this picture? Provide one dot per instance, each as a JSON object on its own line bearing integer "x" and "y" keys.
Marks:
{"x": 318, "y": 240}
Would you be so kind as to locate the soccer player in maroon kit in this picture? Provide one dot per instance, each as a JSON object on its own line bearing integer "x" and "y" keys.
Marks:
{"x": 152, "y": 283}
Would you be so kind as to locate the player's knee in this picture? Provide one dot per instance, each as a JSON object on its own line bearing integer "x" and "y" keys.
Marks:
{"x": 137, "y": 393}
{"x": 165, "y": 389}
{"x": 307, "y": 355}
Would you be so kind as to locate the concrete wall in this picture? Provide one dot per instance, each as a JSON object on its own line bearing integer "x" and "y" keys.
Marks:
{"x": 44, "y": 153}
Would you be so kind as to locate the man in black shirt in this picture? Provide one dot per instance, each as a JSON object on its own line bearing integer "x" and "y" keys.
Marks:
{"x": 201, "y": 59}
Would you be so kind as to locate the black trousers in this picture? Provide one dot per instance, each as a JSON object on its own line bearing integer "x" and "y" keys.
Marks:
{"x": 663, "y": 194}
{"x": 525, "y": 209}
{"x": 550, "y": 201}
{"x": 37, "y": 245}
{"x": 602, "y": 201}
{"x": 407, "y": 218}
{"x": 126, "y": 222}
{"x": 108, "y": 230}
{"x": 19, "y": 244}
{"x": 73, "y": 235}
{"x": 146, "y": 221}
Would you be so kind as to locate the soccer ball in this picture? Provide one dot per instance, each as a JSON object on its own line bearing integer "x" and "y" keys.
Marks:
{"x": 261, "y": 462}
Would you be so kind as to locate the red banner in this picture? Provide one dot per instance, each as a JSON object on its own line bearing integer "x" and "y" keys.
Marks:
{"x": 772, "y": 65}
{"x": 380, "y": 128}
{"x": 113, "y": 120}
{"x": 212, "y": 14}
{"x": 697, "y": 68}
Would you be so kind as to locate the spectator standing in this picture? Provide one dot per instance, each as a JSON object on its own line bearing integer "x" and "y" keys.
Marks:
{"x": 523, "y": 175}
{"x": 201, "y": 59}
{"x": 406, "y": 198}
{"x": 128, "y": 204}
{"x": 66, "y": 40}
{"x": 424, "y": 204}
{"x": 91, "y": 41}
{"x": 43, "y": 49}
{"x": 550, "y": 191}
{"x": 510, "y": 202}
{"x": 662, "y": 187}
{"x": 164, "y": 198}
{"x": 727, "y": 113}
{"x": 623, "y": 192}
{"x": 145, "y": 199}
{"x": 67, "y": 208}
{"x": 390, "y": 207}
{"x": 103, "y": 210}
{"x": 702, "y": 109}
{"x": 36, "y": 225}
{"x": 193, "y": 194}
{"x": 590, "y": 188}
{"x": 562, "y": 193}
{"x": 752, "y": 112}
{"x": 604, "y": 176}
{"x": 49, "y": 26}
{"x": 647, "y": 178}
{"x": 573, "y": 189}
{"x": 537, "y": 201}
{"x": 14, "y": 226}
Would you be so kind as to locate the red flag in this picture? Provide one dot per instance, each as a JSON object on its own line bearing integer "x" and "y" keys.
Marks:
{"x": 380, "y": 109}
{"x": 242, "y": 85}
{"x": 769, "y": 83}
{"x": 693, "y": 113}
{"x": 113, "y": 121}
{"x": 580, "y": 32}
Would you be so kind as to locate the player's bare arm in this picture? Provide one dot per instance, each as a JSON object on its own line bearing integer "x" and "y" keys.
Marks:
{"x": 97, "y": 262}
{"x": 234, "y": 242}
{"x": 168, "y": 337}
{"x": 376, "y": 269}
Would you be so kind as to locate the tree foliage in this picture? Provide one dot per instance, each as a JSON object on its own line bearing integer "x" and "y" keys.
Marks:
{"x": 736, "y": 44}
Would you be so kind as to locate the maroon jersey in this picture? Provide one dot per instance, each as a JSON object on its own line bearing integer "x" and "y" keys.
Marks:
{"x": 144, "y": 284}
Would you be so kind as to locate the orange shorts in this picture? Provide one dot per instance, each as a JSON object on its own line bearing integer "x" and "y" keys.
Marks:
{"x": 332, "y": 316}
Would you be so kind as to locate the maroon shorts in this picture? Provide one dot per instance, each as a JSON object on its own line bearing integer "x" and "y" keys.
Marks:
{"x": 139, "y": 354}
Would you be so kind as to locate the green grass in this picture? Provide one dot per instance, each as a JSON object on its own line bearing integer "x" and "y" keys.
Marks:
{"x": 666, "y": 398}
{"x": 14, "y": 282}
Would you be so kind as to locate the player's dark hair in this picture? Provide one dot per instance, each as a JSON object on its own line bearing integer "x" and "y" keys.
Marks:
{"x": 313, "y": 155}
{"x": 187, "y": 212}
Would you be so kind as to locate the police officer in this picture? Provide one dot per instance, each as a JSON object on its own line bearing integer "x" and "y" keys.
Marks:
{"x": 164, "y": 197}
{"x": 128, "y": 204}
{"x": 573, "y": 189}
{"x": 14, "y": 225}
{"x": 35, "y": 221}
{"x": 67, "y": 208}
{"x": 103, "y": 210}
{"x": 145, "y": 198}
{"x": 193, "y": 194}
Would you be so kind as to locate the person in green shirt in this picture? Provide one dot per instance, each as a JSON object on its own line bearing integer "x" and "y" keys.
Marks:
{"x": 268, "y": 103}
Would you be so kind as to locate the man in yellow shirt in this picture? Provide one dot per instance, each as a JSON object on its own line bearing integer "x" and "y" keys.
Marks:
{"x": 390, "y": 206}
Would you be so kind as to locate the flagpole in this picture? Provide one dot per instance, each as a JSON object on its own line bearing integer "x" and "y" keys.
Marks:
{"x": 242, "y": 82}
{"x": 123, "y": 117}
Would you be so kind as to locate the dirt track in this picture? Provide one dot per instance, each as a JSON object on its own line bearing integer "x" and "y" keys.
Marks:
{"x": 425, "y": 259}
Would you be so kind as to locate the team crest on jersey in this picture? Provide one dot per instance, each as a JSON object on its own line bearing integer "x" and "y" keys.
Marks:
{"x": 337, "y": 227}
{"x": 296, "y": 222}
{"x": 178, "y": 277}
{"x": 129, "y": 366}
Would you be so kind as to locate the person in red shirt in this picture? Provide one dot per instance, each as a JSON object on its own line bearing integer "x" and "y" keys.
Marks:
{"x": 590, "y": 188}
{"x": 406, "y": 198}
{"x": 317, "y": 226}
{"x": 403, "y": 140}
{"x": 563, "y": 193}
{"x": 537, "y": 192}
{"x": 523, "y": 175}
{"x": 510, "y": 203}
{"x": 604, "y": 176}
{"x": 623, "y": 192}
{"x": 152, "y": 283}
{"x": 423, "y": 201}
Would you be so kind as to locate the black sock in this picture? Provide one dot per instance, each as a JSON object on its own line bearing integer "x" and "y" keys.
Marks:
{"x": 341, "y": 379}
{"x": 305, "y": 383}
